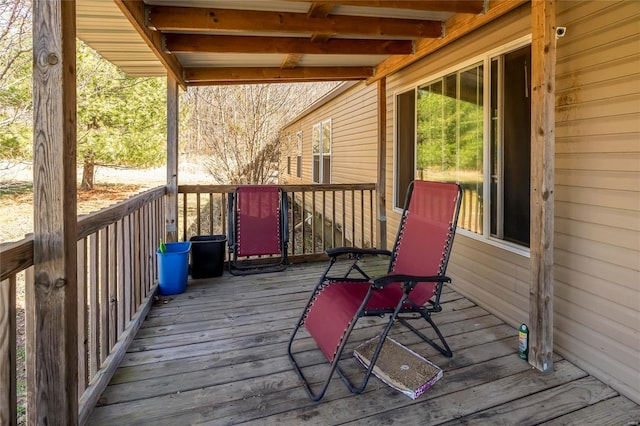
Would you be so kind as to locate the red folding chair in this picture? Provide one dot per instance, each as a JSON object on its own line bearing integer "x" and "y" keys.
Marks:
{"x": 258, "y": 229}
{"x": 412, "y": 285}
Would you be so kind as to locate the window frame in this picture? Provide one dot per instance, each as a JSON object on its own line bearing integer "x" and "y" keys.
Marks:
{"x": 299, "y": 141}
{"x": 484, "y": 59}
{"x": 321, "y": 154}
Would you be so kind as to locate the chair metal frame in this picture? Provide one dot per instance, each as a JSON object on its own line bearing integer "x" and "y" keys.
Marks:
{"x": 404, "y": 304}
{"x": 259, "y": 264}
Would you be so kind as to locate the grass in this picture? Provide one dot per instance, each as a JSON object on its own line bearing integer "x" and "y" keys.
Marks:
{"x": 15, "y": 188}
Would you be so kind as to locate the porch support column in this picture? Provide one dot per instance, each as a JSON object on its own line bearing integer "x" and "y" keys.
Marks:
{"x": 52, "y": 309}
{"x": 171, "y": 207}
{"x": 382, "y": 164}
{"x": 543, "y": 58}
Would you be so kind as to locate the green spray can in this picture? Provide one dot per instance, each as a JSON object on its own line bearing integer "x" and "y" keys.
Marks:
{"x": 523, "y": 342}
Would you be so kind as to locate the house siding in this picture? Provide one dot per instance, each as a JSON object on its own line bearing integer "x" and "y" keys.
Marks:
{"x": 354, "y": 128}
{"x": 597, "y": 186}
{"x": 597, "y": 191}
{"x": 495, "y": 278}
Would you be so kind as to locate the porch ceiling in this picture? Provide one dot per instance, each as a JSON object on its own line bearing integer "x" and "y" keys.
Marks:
{"x": 246, "y": 41}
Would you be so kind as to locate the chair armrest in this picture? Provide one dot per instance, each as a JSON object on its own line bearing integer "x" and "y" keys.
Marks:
{"x": 412, "y": 280}
{"x": 335, "y": 252}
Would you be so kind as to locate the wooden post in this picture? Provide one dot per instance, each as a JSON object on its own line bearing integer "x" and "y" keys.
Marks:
{"x": 52, "y": 314}
{"x": 171, "y": 208}
{"x": 382, "y": 164}
{"x": 543, "y": 58}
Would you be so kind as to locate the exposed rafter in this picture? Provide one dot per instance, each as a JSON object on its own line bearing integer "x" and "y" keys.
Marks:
{"x": 316, "y": 10}
{"x": 135, "y": 12}
{"x": 242, "y": 75}
{"x": 379, "y": 36}
{"x": 189, "y": 43}
{"x": 291, "y": 60}
{"x": 169, "y": 18}
{"x": 457, "y": 27}
{"x": 456, "y": 6}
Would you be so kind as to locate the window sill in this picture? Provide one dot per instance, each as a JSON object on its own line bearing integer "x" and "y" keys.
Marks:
{"x": 503, "y": 245}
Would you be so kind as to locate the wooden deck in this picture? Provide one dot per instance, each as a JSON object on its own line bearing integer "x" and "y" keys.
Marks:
{"x": 217, "y": 355}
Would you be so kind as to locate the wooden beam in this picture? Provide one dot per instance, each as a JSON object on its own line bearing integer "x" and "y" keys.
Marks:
{"x": 135, "y": 12}
{"x": 382, "y": 164}
{"x": 170, "y": 18}
{"x": 455, "y": 6}
{"x": 543, "y": 64}
{"x": 319, "y": 9}
{"x": 291, "y": 60}
{"x": 193, "y": 43}
{"x": 240, "y": 75}
{"x": 457, "y": 27}
{"x": 171, "y": 207}
{"x": 52, "y": 325}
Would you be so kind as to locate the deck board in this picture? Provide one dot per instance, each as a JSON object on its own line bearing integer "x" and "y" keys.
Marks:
{"x": 217, "y": 355}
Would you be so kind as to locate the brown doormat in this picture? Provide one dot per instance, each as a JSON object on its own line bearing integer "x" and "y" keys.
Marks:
{"x": 399, "y": 367}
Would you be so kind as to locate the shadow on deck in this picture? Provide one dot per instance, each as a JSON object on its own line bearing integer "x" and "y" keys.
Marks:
{"x": 217, "y": 355}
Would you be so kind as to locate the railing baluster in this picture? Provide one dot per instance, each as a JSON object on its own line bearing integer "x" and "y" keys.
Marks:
{"x": 353, "y": 218}
{"x": 103, "y": 291}
{"x": 344, "y": 218}
{"x": 313, "y": 221}
{"x": 184, "y": 217}
{"x": 82, "y": 315}
{"x": 371, "y": 240}
{"x": 112, "y": 299}
{"x": 8, "y": 361}
{"x": 94, "y": 313}
{"x": 361, "y": 218}
{"x": 120, "y": 260}
{"x": 198, "y": 216}
{"x": 292, "y": 232}
{"x": 333, "y": 219}
{"x": 211, "y": 229}
{"x": 128, "y": 277}
{"x": 324, "y": 220}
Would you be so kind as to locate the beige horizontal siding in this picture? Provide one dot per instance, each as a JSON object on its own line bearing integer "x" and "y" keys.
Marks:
{"x": 354, "y": 128}
{"x": 597, "y": 191}
{"x": 597, "y": 239}
{"x": 496, "y": 279}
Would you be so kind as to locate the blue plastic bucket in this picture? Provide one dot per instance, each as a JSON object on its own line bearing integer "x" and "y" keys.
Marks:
{"x": 173, "y": 268}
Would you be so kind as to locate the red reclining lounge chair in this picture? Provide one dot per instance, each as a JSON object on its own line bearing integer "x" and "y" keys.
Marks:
{"x": 413, "y": 283}
{"x": 258, "y": 229}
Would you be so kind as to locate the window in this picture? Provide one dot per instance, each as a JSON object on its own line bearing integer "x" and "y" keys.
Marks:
{"x": 289, "y": 165}
{"x": 299, "y": 155}
{"x": 447, "y": 126}
{"x": 321, "y": 147}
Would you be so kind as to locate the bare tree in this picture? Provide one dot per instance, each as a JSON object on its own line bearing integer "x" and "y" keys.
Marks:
{"x": 235, "y": 128}
{"x": 15, "y": 80}
{"x": 15, "y": 33}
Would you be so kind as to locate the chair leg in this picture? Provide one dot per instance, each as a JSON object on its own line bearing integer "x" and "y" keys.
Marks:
{"x": 372, "y": 363}
{"x": 305, "y": 383}
{"x": 444, "y": 349}
{"x": 334, "y": 364}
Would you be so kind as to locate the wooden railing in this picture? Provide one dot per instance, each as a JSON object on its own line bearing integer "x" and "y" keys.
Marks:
{"x": 117, "y": 275}
{"x": 320, "y": 216}
{"x": 117, "y": 270}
